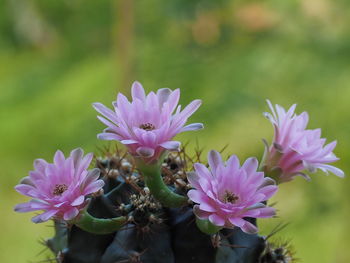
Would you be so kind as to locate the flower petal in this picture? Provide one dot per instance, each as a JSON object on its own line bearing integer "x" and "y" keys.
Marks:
{"x": 137, "y": 91}
{"x": 192, "y": 127}
{"x": 104, "y": 111}
{"x": 332, "y": 169}
{"x": 200, "y": 213}
{"x": 108, "y": 136}
{"x": 128, "y": 142}
{"x": 25, "y": 207}
{"x": 250, "y": 165}
{"x": 214, "y": 159}
{"x": 249, "y": 228}
{"x": 78, "y": 201}
{"x": 163, "y": 96}
{"x": 171, "y": 145}
{"x": 193, "y": 179}
{"x": 145, "y": 152}
{"x": 216, "y": 220}
{"x": 93, "y": 187}
{"x": 44, "y": 216}
{"x": 236, "y": 221}
{"x": 70, "y": 214}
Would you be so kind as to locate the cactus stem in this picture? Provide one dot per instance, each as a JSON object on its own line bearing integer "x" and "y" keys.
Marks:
{"x": 99, "y": 226}
{"x": 160, "y": 191}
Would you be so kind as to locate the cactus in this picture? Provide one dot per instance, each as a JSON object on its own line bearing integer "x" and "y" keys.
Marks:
{"x": 153, "y": 203}
{"x": 153, "y": 233}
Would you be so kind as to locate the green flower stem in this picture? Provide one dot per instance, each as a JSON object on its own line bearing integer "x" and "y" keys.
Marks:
{"x": 99, "y": 226}
{"x": 267, "y": 163}
{"x": 207, "y": 227}
{"x": 161, "y": 192}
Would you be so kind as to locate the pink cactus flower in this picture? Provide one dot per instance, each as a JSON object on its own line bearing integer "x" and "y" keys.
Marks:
{"x": 59, "y": 188}
{"x": 147, "y": 125}
{"x": 295, "y": 148}
{"x": 227, "y": 193}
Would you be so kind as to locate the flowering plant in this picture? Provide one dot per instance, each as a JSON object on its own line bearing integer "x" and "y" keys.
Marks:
{"x": 60, "y": 188}
{"x": 174, "y": 201}
{"x": 228, "y": 194}
{"x": 147, "y": 124}
{"x": 295, "y": 148}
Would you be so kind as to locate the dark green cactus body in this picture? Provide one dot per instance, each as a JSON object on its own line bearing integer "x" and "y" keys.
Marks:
{"x": 153, "y": 233}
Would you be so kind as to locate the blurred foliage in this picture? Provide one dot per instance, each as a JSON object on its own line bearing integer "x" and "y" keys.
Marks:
{"x": 57, "y": 57}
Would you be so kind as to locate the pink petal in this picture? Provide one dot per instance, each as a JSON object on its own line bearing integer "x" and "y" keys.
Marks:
{"x": 92, "y": 176}
{"x": 173, "y": 100}
{"x": 191, "y": 108}
{"x": 60, "y": 204}
{"x": 332, "y": 169}
{"x": 206, "y": 206}
{"x": 70, "y": 214}
{"x": 48, "y": 214}
{"x": 268, "y": 191}
{"x": 149, "y": 138}
{"x": 197, "y": 196}
{"x": 108, "y": 136}
{"x": 203, "y": 171}
{"x": 249, "y": 228}
{"x": 26, "y": 180}
{"x": 250, "y": 165}
{"x": 36, "y": 176}
{"x": 24, "y": 207}
{"x": 78, "y": 201}
{"x": 25, "y": 189}
{"x": 192, "y": 127}
{"x": 256, "y": 206}
{"x": 214, "y": 159}
{"x": 40, "y": 165}
{"x": 171, "y": 145}
{"x": 137, "y": 91}
{"x": 94, "y": 187}
{"x": 199, "y": 213}
{"x": 181, "y": 118}
{"x": 232, "y": 163}
{"x": 84, "y": 163}
{"x": 44, "y": 216}
{"x": 163, "y": 96}
{"x": 216, "y": 220}
{"x": 237, "y": 221}
{"x": 266, "y": 212}
{"x": 267, "y": 181}
{"x": 104, "y": 111}
{"x": 128, "y": 141}
{"x": 77, "y": 155}
{"x": 37, "y": 219}
{"x": 145, "y": 152}
{"x": 109, "y": 124}
{"x": 59, "y": 158}
{"x": 193, "y": 178}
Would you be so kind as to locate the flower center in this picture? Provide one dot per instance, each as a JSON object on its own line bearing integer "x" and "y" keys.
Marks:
{"x": 230, "y": 197}
{"x": 147, "y": 126}
{"x": 59, "y": 189}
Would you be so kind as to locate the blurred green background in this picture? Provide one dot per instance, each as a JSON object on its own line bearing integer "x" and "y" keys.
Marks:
{"x": 57, "y": 57}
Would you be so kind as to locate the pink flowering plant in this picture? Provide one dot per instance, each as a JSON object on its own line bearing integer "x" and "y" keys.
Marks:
{"x": 155, "y": 189}
{"x": 59, "y": 188}
{"x": 228, "y": 193}
{"x": 296, "y": 149}
{"x": 148, "y": 124}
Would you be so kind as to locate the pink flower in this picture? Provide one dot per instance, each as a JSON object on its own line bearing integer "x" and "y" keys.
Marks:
{"x": 147, "y": 125}
{"x": 230, "y": 192}
{"x": 295, "y": 148}
{"x": 59, "y": 188}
